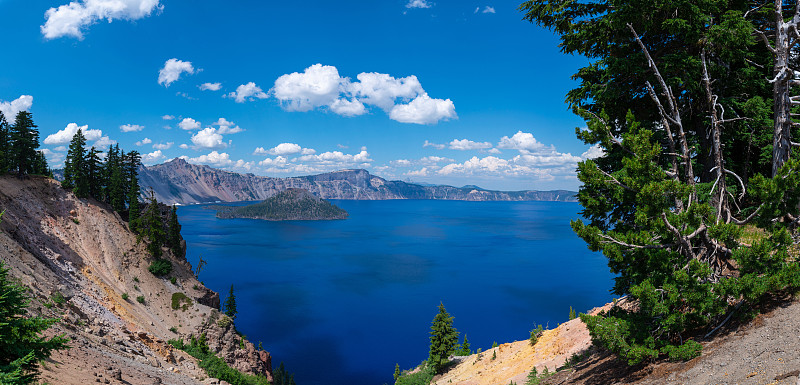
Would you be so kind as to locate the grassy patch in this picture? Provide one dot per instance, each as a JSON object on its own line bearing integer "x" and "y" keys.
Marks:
{"x": 180, "y": 298}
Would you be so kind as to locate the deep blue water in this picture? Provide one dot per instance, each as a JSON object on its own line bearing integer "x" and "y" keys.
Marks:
{"x": 340, "y": 302}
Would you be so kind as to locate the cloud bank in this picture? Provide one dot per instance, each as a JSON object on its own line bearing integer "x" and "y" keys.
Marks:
{"x": 73, "y": 18}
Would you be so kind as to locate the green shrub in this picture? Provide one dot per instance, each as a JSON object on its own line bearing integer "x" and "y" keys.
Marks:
{"x": 421, "y": 377}
{"x": 140, "y": 299}
{"x": 224, "y": 321}
{"x": 173, "y": 280}
{"x": 174, "y": 330}
{"x": 160, "y": 267}
{"x": 690, "y": 349}
{"x": 535, "y": 334}
{"x": 178, "y": 298}
{"x": 571, "y": 313}
{"x": 58, "y": 298}
{"x": 216, "y": 367}
{"x": 136, "y": 279}
{"x": 125, "y": 296}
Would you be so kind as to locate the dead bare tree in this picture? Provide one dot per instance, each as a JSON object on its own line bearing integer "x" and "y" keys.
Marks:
{"x": 785, "y": 40}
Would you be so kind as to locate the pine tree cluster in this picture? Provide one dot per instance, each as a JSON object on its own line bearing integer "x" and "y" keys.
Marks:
{"x": 18, "y": 144}
{"x": 114, "y": 181}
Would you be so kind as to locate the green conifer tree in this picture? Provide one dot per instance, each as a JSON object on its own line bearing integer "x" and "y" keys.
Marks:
{"x": 21, "y": 345}
{"x": 132, "y": 163}
{"x": 40, "y": 166}
{"x": 396, "y": 371}
{"x": 24, "y": 142}
{"x": 117, "y": 181}
{"x": 174, "y": 232}
{"x": 153, "y": 227}
{"x": 230, "y": 304}
{"x": 94, "y": 173}
{"x": 444, "y": 338}
{"x": 464, "y": 351}
{"x": 5, "y": 144}
{"x": 533, "y": 377}
{"x": 76, "y": 169}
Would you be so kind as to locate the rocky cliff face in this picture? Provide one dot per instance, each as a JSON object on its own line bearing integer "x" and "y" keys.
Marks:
{"x": 177, "y": 181}
{"x": 61, "y": 246}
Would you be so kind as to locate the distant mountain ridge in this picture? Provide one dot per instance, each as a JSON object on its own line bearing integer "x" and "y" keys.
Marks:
{"x": 178, "y": 181}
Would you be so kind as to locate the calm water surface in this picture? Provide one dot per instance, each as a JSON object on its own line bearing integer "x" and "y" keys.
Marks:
{"x": 340, "y": 302}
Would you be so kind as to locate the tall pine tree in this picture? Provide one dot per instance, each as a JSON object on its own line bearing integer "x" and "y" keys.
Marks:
{"x": 5, "y": 144}
{"x": 444, "y": 338}
{"x": 230, "y": 304}
{"x": 132, "y": 162}
{"x": 24, "y": 142}
{"x": 153, "y": 228}
{"x": 75, "y": 166}
{"x": 174, "y": 232}
{"x": 94, "y": 172}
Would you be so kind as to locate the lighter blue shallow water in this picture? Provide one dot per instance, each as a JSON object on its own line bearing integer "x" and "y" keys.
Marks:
{"x": 340, "y": 302}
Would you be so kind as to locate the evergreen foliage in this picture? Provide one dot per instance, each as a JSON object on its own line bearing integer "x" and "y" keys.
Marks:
{"x": 444, "y": 338}
{"x": 230, "y": 305}
{"x": 21, "y": 345}
{"x": 397, "y": 371}
{"x": 281, "y": 376}
{"x": 24, "y": 141}
{"x": 292, "y": 204}
{"x": 152, "y": 227}
{"x": 131, "y": 165}
{"x": 217, "y": 368}
{"x": 160, "y": 267}
{"x": 5, "y": 145}
{"x": 676, "y": 98}
{"x": 76, "y": 166}
{"x": 464, "y": 350}
{"x": 174, "y": 233}
{"x": 423, "y": 376}
{"x": 93, "y": 173}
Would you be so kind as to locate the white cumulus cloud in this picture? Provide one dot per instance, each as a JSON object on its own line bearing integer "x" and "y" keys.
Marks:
{"x": 71, "y": 19}
{"x": 213, "y": 158}
{"x": 167, "y": 117}
{"x": 247, "y": 92}
{"x": 152, "y": 157}
{"x": 143, "y": 142}
{"x": 172, "y": 70}
{"x": 284, "y": 149}
{"x": 434, "y": 145}
{"x": 488, "y": 9}
{"x": 130, "y": 127}
{"x": 424, "y": 110}
{"x": 317, "y": 86}
{"x": 321, "y": 86}
{"x": 65, "y": 136}
{"x": 593, "y": 152}
{"x": 163, "y": 146}
{"x": 189, "y": 124}
{"x": 208, "y": 138}
{"x": 418, "y": 4}
{"x": 227, "y": 127}
{"x": 12, "y": 108}
{"x": 521, "y": 141}
{"x": 466, "y": 144}
{"x": 210, "y": 86}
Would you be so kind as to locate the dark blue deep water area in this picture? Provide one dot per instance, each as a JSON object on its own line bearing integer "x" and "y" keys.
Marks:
{"x": 340, "y": 302}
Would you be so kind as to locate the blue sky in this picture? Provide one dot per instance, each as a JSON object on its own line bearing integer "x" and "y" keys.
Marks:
{"x": 452, "y": 92}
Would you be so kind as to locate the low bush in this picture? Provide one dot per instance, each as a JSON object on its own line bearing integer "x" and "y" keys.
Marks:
{"x": 160, "y": 267}
{"x": 214, "y": 366}
{"x": 178, "y": 298}
{"x": 140, "y": 299}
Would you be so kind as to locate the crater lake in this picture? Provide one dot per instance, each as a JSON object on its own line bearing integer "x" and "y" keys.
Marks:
{"x": 340, "y": 302}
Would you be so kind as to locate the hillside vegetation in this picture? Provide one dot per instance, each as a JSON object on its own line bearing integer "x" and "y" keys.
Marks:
{"x": 292, "y": 204}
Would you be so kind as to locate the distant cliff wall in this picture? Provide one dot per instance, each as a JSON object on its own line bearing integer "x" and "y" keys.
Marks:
{"x": 178, "y": 181}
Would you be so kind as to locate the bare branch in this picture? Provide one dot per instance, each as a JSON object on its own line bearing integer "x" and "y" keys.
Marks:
{"x": 618, "y": 242}
{"x": 764, "y": 38}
